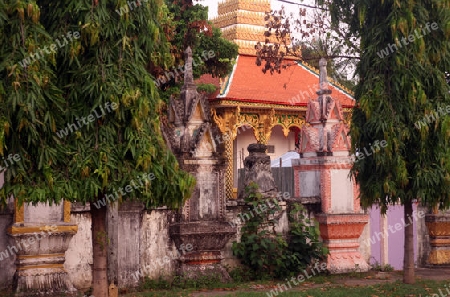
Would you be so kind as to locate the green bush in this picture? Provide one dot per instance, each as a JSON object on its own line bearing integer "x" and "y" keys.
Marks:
{"x": 304, "y": 245}
{"x": 241, "y": 274}
{"x": 379, "y": 267}
{"x": 270, "y": 255}
{"x": 206, "y": 88}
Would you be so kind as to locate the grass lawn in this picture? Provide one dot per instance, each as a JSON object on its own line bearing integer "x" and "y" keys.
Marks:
{"x": 422, "y": 288}
{"x": 425, "y": 288}
{"x": 347, "y": 285}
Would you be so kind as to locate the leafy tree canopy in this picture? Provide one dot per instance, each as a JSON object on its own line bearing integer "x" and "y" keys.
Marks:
{"x": 397, "y": 91}
{"x": 402, "y": 98}
{"x": 59, "y": 90}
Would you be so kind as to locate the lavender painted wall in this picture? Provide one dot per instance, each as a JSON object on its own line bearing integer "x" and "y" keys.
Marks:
{"x": 396, "y": 239}
{"x": 394, "y": 236}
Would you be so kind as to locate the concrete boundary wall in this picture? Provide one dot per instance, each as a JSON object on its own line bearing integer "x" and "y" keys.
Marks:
{"x": 7, "y": 265}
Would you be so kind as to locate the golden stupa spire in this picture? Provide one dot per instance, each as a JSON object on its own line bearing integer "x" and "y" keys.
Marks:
{"x": 242, "y": 21}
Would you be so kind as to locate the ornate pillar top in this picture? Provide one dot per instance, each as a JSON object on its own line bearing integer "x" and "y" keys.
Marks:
{"x": 188, "y": 74}
{"x": 323, "y": 78}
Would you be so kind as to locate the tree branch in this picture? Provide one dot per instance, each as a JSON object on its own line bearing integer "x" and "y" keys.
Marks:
{"x": 304, "y": 5}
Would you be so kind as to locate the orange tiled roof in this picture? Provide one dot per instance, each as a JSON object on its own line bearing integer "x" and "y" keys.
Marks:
{"x": 294, "y": 86}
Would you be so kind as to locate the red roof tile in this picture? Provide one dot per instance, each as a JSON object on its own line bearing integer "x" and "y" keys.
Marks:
{"x": 208, "y": 79}
{"x": 294, "y": 86}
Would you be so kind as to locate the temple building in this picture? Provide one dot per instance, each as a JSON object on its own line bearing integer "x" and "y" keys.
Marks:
{"x": 252, "y": 106}
{"x": 300, "y": 110}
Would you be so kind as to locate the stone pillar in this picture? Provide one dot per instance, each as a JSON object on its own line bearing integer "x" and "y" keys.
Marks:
{"x": 341, "y": 222}
{"x": 438, "y": 225}
{"x": 202, "y": 223}
{"x": 258, "y": 170}
{"x": 322, "y": 174}
{"x": 207, "y": 239}
{"x": 340, "y": 234}
{"x": 41, "y": 236}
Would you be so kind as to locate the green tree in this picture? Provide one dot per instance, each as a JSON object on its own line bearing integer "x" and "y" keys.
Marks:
{"x": 401, "y": 82}
{"x": 105, "y": 66}
{"x": 188, "y": 25}
{"x": 308, "y": 36}
{"x": 336, "y": 69}
{"x": 31, "y": 108}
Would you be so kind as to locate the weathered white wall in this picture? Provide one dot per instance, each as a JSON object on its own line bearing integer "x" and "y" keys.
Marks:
{"x": 309, "y": 182}
{"x": 423, "y": 239}
{"x": 364, "y": 248}
{"x": 43, "y": 213}
{"x": 232, "y": 212}
{"x": 155, "y": 244}
{"x": 282, "y": 225}
{"x": 79, "y": 254}
{"x": 158, "y": 253}
{"x": 8, "y": 268}
{"x": 7, "y": 259}
{"x": 341, "y": 191}
{"x": 124, "y": 233}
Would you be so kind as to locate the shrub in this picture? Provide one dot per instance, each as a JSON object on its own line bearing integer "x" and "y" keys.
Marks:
{"x": 304, "y": 245}
{"x": 267, "y": 253}
{"x": 206, "y": 88}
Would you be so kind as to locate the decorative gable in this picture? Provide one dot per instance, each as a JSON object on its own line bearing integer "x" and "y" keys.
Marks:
{"x": 339, "y": 139}
{"x": 309, "y": 141}
{"x": 198, "y": 114}
{"x": 205, "y": 146}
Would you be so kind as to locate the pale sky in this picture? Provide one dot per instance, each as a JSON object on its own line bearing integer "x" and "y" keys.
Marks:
{"x": 212, "y": 5}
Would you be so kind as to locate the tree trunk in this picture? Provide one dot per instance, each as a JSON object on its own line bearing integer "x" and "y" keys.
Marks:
{"x": 100, "y": 248}
{"x": 408, "y": 257}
